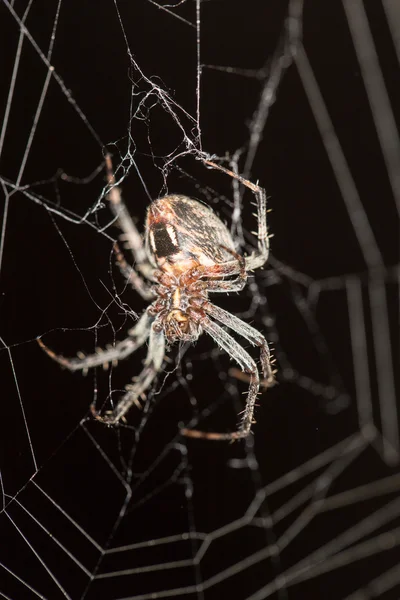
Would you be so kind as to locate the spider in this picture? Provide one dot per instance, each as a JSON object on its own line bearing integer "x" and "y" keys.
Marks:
{"x": 187, "y": 253}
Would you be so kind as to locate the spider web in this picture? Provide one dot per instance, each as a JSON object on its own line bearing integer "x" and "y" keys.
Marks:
{"x": 308, "y": 506}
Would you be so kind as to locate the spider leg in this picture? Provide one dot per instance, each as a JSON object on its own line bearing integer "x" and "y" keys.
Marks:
{"x": 223, "y": 285}
{"x": 259, "y": 258}
{"x": 130, "y": 235}
{"x": 137, "y": 336}
{"x": 132, "y": 277}
{"x": 247, "y": 364}
{"x": 152, "y": 366}
{"x": 249, "y": 333}
{"x": 223, "y": 270}
{"x": 233, "y": 285}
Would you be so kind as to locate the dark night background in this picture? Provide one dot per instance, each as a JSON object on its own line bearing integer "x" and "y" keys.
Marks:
{"x": 58, "y": 279}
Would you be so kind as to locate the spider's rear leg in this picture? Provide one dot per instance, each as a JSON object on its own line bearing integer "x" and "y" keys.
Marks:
{"x": 260, "y": 257}
{"x": 131, "y": 236}
{"x": 133, "y": 278}
{"x": 226, "y": 269}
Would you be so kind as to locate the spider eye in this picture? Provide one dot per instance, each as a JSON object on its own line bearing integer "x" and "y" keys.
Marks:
{"x": 163, "y": 239}
{"x": 177, "y": 322}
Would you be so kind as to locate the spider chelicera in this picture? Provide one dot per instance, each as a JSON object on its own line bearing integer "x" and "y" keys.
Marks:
{"x": 187, "y": 254}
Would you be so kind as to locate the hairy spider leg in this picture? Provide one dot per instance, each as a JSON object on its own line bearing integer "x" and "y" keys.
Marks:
{"x": 137, "y": 337}
{"x": 247, "y": 364}
{"x": 131, "y": 237}
{"x": 217, "y": 271}
{"x": 152, "y": 366}
{"x": 249, "y": 333}
{"x": 232, "y": 285}
{"x": 259, "y": 258}
{"x": 132, "y": 277}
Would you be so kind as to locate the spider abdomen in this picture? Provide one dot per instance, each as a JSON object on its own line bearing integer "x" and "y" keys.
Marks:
{"x": 182, "y": 233}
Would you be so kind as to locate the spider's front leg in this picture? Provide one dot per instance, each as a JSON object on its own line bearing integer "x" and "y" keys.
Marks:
{"x": 137, "y": 336}
{"x": 247, "y": 364}
{"x": 152, "y": 366}
{"x": 250, "y": 334}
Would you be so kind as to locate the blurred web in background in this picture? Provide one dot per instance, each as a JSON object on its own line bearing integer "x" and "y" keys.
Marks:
{"x": 309, "y": 506}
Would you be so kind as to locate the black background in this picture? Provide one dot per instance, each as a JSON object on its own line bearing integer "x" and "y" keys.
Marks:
{"x": 58, "y": 277}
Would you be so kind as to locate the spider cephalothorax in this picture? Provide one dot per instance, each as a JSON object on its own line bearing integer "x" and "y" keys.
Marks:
{"x": 187, "y": 254}
{"x": 178, "y": 305}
